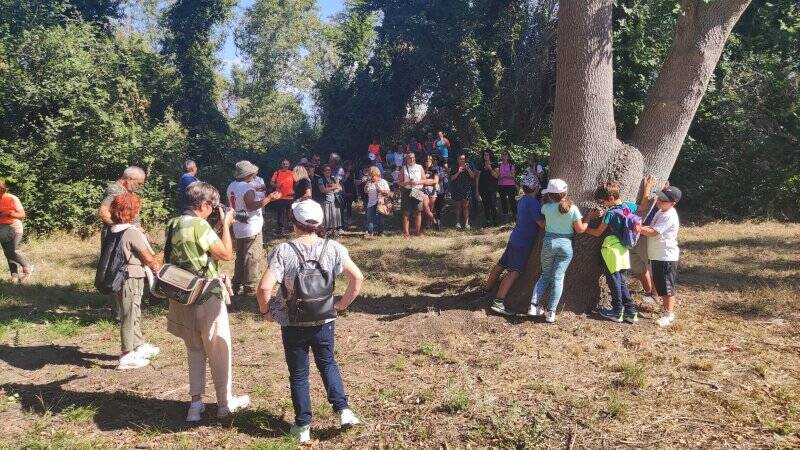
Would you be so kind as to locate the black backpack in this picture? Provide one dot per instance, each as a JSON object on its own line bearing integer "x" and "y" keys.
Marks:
{"x": 313, "y": 290}
{"x": 108, "y": 277}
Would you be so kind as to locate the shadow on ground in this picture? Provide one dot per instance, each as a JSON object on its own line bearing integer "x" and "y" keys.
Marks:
{"x": 38, "y": 356}
{"x": 121, "y": 410}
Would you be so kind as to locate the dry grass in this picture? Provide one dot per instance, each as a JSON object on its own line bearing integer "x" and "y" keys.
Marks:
{"x": 425, "y": 365}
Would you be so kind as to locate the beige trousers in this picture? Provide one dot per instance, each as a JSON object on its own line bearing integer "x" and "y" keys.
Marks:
{"x": 248, "y": 255}
{"x": 129, "y": 305}
{"x": 206, "y": 332}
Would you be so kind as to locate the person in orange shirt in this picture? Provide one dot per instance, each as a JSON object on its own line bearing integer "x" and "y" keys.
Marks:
{"x": 11, "y": 215}
{"x": 375, "y": 149}
{"x": 283, "y": 182}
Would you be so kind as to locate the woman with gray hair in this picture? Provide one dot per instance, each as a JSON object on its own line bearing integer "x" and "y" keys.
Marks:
{"x": 204, "y": 326}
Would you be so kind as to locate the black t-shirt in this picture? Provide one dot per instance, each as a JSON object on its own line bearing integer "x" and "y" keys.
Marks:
{"x": 316, "y": 194}
{"x": 487, "y": 182}
{"x": 300, "y": 188}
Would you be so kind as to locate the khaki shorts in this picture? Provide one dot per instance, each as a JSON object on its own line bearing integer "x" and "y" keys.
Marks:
{"x": 639, "y": 260}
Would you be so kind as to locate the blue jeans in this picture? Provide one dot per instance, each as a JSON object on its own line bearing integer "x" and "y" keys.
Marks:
{"x": 621, "y": 299}
{"x": 556, "y": 256}
{"x": 296, "y": 342}
{"x": 374, "y": 220}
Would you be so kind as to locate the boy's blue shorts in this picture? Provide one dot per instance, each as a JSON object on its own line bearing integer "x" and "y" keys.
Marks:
{"x": 515, "y": 257}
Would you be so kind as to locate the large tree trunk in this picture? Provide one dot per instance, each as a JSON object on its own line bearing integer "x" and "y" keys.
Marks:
{"x": 586, "y": 150}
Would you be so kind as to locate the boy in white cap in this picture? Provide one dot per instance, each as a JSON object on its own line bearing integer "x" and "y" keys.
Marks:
{"x": 663, "y": 251}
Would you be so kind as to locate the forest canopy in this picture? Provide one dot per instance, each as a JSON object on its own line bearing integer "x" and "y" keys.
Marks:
{"x": 87, "y": 88}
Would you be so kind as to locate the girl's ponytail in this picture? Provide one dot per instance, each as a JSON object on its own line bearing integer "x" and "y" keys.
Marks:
{"x": 565, "y": 204}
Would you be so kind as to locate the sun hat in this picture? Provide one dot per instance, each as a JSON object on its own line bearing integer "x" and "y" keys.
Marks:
{"x": 244, "y": 169}
{"x": 307, "y": 212}
{"x": 669, "y": 194}
{"x": 555, "y": 186}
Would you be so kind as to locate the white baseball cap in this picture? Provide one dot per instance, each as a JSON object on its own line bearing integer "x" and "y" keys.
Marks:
{"x": 555, "y": 186}
{"x": 308, "y": 212}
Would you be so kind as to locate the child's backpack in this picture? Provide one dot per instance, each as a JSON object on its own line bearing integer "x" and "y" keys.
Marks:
{"x": 630, "y": 226}
{"x": 109, "y": 275}
{"x": 313, "y": 290}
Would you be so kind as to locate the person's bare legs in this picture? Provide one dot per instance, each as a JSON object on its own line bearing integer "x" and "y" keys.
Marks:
{"x": 668, "y": 303}
{"x": 506, "y": 284}
{"x": 647, "y": 281}
{"x": 418, "y": 222}
{"x": 405, "y": 223}
{"x": 458, "y": 212}
{"x": 465, "y": 205}
{"x": 494, "y": 275}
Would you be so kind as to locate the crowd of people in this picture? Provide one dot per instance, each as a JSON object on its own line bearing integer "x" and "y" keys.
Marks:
{"x": 315, "y": 202}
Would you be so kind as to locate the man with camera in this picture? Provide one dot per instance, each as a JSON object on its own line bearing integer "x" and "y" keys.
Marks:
{"x": 248, "y": 242}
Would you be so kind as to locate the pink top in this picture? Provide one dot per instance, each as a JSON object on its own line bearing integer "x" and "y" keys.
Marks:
{"x": 507, "y": 173}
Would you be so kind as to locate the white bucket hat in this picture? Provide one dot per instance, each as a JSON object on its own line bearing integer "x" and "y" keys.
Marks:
{"x": 555, "y": 186}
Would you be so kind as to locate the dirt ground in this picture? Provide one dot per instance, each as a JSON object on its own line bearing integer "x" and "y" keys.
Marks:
{"x": 424, "y": 364}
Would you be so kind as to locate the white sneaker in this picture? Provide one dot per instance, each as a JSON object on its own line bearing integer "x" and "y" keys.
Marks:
{"x": 347, "y": 418}
{"x": 666, "y": 320}
{"x": 234, "y": 404}
{"x": 535, "y": 310}
{"x": 458, "y": 226}
{"x": 467, "y": 227}
{"x": 147, "y": 350}
{"x": 302, "y": 434}
{"x": 195, "y": 409}
{"x": 550, "y": 316}
{"x": 131, "y": 360}
{"x": 649, "y": 299}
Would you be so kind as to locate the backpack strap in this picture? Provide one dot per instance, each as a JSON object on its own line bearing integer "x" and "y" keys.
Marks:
{"x": 300, "y": 256}
{"x": 168, "y": 244}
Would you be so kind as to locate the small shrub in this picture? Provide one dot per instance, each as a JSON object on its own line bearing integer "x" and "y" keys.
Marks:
{"x": 105, "y": 326}
{"x": 398, "y": 363}
{"x": 457, "y": 398}
{"x": 79, "y": 414}
{"x": 633, "y": 375}
{"x": 283, "y": 443}
{"x": 616, "y": 406}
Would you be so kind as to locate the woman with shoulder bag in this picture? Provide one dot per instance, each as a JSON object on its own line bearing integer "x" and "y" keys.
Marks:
{"x": 309, "y": 327}
{"x": 204, "y": 325}
{"x": 377, "y": 189}
{"x": 138, "y": 257}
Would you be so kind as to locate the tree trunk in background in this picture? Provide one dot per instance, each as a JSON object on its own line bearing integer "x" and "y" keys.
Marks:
{"x": 586, "y": 150}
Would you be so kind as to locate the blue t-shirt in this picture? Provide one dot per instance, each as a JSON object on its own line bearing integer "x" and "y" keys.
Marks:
{"x": 441, "y": 148}
{"x": 526, "y": 229}
{"x": 613, "y": 220}
{"x": 558, "y": 223}
{"x": 185, "y": 181}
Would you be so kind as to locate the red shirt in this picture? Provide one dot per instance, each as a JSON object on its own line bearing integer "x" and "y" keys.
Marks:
{"x": 284, "y": 183}
{"x": 375, "y": 149}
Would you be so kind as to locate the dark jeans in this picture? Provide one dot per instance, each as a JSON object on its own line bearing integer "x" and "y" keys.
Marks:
{"x": 438, "y": 206}
{"x": 282, "y": 208}
{"x": 296, "y": 342}
{"x": 374, "y": 220}
{"x": 621, "y": 298}
{"x": 508, "y": 198}
{"x": 489, "y": 200}
{"x": 11, "y": 241}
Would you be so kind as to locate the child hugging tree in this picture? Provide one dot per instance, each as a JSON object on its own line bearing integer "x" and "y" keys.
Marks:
{"x": 616, "y": 257}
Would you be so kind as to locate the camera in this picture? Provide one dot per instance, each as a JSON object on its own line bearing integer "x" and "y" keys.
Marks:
{"x": 238, "y": 216}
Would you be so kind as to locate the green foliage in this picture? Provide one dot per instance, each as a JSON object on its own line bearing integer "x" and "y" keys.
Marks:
{"x": 79, "y": 414}
{"x": 77, "y": 107}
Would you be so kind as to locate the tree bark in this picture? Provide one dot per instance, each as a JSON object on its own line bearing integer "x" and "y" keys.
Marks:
{"x": 586, "y": 150}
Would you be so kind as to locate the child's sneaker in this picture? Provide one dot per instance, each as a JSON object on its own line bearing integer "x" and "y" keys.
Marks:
{"x": 132, "y": 360}
{"x": 301, "y": 433}
{"x": 467, "y": 227}
{"x": 631, "y": 318}
{"x": 458, "y": 226}
{"x": 550, "y": 316}
{"x": 666, "y": 320}
{"x": 499, "y": 307}
{"x": 195, "y": 409}
{"x": 347, "y": 418}
{"x": 610, "y": 314}
{"x": 649, "y": 299}
{"x": 535, "y": 310}
{"x": 234, "y": 404}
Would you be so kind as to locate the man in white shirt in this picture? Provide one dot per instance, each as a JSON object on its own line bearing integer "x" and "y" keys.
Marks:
{"x": 663, "y": 251}
{"x": 248, "y": 242}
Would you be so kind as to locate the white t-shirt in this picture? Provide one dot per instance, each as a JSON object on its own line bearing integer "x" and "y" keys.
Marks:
{"x": 258, "y": 182}
{"x": 235, "y": 194}
{"x": 373, "y": 189}
{"x": 412, "y": 173}
{"x": 664, "y": 246}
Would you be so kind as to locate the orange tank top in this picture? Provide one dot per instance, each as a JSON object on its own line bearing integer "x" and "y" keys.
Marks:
{"x": 7, "y": 204}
